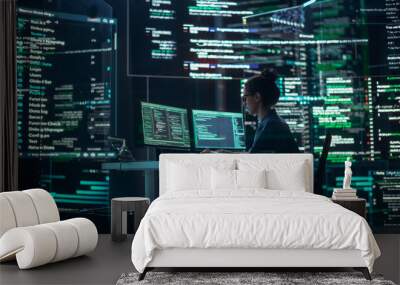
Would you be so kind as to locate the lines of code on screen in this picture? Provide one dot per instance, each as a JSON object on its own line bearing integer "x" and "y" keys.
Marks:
{"x": 232, "y": 39}
{"x": 165, "y": 126}
{"x": 65, "y": 67}
{"x": 218, "y": 130}
{"x": 338, "y": 64}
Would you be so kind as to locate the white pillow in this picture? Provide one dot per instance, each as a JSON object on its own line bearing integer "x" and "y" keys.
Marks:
{"x": 189, "y": 176}
{"x": 226, "y": 179}
{"x": 182, "y": 177}
{"x": 281, "y": 174}
{"x": 292, "y": 179}
{"x": 251, "y": 178}
{"x": 223, "y": 179}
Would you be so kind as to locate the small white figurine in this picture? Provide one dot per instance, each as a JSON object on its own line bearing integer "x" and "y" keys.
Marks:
{"x": 347, "y": 175}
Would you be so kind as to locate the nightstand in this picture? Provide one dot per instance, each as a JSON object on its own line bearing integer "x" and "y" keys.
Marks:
{"x": 357, "y": 205}
{"x": 119, "y": 208}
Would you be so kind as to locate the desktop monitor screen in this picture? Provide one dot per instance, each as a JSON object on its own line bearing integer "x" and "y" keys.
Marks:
{"x": 165, "y": 126}
{"x": 218, "y": 130}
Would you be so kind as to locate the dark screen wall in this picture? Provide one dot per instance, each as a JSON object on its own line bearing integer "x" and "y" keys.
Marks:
{"x": 66, "y": 81}
{"x": 359, "y": 68}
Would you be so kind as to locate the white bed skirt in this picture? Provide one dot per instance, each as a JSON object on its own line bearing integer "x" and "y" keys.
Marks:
{"x": 189, "y": 257}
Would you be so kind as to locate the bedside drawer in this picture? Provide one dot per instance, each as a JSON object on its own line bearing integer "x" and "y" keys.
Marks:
{"x": 357, "y": 205}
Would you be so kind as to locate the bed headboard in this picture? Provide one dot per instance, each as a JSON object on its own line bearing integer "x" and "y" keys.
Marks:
{"x": 281, "y": 162}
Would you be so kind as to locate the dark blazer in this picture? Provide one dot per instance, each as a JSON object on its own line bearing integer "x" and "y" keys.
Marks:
{"x": 273, "y": 136}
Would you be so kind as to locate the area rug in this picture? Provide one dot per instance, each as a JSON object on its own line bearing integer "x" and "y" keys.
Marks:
{"x": 244, "y": 278}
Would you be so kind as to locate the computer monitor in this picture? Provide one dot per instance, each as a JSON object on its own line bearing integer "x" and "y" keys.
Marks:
{"x": 218, "y": 130}
{"x": 165, "y": 126}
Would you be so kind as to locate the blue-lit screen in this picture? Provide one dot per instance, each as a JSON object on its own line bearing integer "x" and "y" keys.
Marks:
{"x": 218, "y": 130}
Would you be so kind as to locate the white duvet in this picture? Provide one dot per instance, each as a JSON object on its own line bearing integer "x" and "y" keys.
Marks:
{"x": 250, "y": 219}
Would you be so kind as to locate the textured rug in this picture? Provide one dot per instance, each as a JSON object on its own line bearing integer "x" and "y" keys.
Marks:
{"x": 243, "y": 278}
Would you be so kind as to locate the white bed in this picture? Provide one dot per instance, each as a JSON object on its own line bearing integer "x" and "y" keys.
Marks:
{"x": 197, "y": 222}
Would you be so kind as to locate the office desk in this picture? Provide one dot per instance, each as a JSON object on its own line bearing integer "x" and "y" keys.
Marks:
{"x": 148, "y": 166}
{"x": 142, "y": 165}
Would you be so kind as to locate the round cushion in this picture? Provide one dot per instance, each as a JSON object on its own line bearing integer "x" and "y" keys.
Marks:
{"x": 45, "y": 205}
{"x": 66, "y": 238}
{"x": 23, "y": 208}
{"x": 33, "y": 246}
{"x": 7, "y": 218}
{"x": 87, "y": 235}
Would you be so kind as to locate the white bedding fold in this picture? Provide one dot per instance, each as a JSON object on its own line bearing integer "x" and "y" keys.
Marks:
{"x": 250, "y": 219}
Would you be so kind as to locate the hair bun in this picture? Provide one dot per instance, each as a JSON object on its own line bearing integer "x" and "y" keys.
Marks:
{"x": 269, "y": 75}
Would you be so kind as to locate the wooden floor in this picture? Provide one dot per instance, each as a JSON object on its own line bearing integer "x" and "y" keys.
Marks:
{"x": 103, "y": 266}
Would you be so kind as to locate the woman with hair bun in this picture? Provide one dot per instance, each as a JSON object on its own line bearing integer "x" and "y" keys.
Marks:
{"x": 272, "y": 134}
